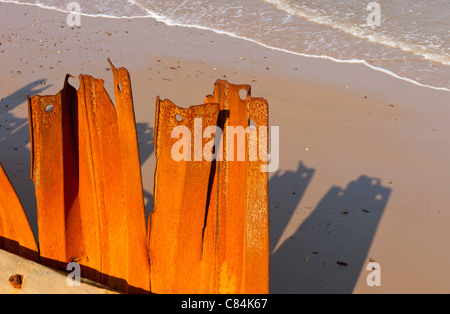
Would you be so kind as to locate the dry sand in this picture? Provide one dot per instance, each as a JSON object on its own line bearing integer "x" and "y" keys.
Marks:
{"x": 364, "y": 157}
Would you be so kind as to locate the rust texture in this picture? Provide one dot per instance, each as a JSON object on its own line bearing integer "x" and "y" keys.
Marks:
{"x": 209, "y": 231}
{"x": 16, "y": 235}
{"x": 87, "y": 176}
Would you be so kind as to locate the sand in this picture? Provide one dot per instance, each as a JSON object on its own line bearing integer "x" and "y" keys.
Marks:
{"x": 364, "y": 157}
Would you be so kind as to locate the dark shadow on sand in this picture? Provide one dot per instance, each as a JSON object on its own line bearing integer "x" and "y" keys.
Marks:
{"x": 329, "y": 250}
{"x": 285, "y": 193}
{"x": 145, "y": 135}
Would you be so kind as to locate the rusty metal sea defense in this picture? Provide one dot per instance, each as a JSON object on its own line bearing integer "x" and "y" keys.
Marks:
{"x": 86, "y": 170}
{"x": 209, "y": 230}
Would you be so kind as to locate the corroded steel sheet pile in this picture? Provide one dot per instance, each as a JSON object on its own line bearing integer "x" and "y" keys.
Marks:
{"x": 86, "y": 170}
{"x": 209, "y": 230}
{"x": 16, "y": 235}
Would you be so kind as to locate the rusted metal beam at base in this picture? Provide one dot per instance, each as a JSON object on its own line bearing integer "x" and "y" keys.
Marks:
{"x": 22, "y": 276}
{"x": 86, "y": 170}
{"x": 209, "y": 231}
{"x": 16, "y": 235}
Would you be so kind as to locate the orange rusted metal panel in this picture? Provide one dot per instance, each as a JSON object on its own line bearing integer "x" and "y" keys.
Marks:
{"x": 209, "y": 230}
{"x": 243, "y": 194}
{"x": 53, "y": 128}
{"x": 179, "y": 260}
{"x": 16, "y": 235}
{"x": 85, "y": 165}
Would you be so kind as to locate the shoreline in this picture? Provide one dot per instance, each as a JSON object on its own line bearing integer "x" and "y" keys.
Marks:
{"x": 363, "y": 156}
{"x": 218, "y": 32}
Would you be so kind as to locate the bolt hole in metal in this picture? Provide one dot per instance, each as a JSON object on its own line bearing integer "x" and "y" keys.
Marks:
{"x": 179, "y": 118}
{"x": 16, "y": 281}
{"x": 243, "y": 94}
{"x": 49, "y": 108}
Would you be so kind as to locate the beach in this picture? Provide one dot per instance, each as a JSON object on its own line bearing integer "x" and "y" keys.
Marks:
{"x": 364, "y": 157}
